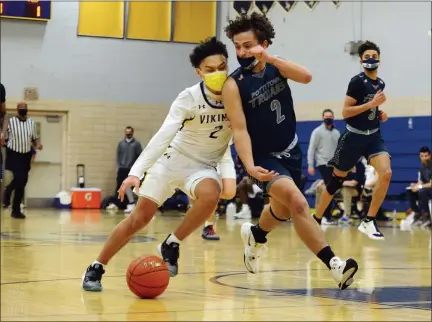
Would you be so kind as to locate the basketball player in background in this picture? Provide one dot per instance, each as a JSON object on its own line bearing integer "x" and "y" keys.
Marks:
{"x": 183, "y": 154}
{"x": 362, "y": 138}
{"x": 259, "y": 104}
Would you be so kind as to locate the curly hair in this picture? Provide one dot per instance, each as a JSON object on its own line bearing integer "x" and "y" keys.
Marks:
{"x": 368, "y": 45}
{"x": 209, "y": 47}
{"x": 259, "y": 24}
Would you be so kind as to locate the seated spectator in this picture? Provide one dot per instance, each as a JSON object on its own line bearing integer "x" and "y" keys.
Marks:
{"x": 421, "y": 191}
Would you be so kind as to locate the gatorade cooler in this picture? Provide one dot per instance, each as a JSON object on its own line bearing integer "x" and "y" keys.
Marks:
{"x": 86, "y": 198}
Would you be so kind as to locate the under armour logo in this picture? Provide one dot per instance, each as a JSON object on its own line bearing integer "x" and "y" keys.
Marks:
{"x": 201, "y": 106}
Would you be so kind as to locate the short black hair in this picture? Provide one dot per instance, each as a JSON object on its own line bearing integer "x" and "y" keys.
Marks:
{"x": 368, "y": 45}
{"x": 425, "y": 149}
{"x": 327, "y": 110}
{"x": 129, "y": 128}
{"x": 209, "y": 47}
{"x": 259, "y": 24}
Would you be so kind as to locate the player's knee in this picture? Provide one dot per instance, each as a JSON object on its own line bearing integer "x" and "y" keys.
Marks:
{"x": 299, "y": 206}
{"x": 207, "y": 194}
{"x": 385, "y": 175}
{"x": 334, "y": 184}
{"x": 142, "y": 214}
{"x": 228, "y": 194}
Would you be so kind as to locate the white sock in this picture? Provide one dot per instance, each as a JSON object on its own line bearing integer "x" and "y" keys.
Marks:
{"x": 245, "y": 207}
{"x": 172, "y": 239}
{"x": 208, "y": 223}
{"x": 97, "y": 263}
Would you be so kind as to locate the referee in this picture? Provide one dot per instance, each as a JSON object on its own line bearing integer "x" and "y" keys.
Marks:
{"x": 21, "y": 137}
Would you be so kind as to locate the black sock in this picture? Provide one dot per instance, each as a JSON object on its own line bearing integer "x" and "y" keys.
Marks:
{"x": 318, "y": 220}
{"x": 259, "y": 234}
{"x": 325, "y": 255}
{"x": 369, "y": 218}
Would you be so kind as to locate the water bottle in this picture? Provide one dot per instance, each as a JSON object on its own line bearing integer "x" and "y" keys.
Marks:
{"x": 410, "y": 124}
{"x": 231, "y": 210}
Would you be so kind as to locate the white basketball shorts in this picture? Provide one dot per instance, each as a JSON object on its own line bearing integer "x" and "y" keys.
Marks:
{"x": 175, "y": 170}
{"x": 226, "y": 169}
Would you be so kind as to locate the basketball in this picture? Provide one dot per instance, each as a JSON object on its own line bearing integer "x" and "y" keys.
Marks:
{"x": 147, "y": 276}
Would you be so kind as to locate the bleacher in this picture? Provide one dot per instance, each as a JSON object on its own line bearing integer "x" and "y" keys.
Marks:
{"x": 403, "y": 143}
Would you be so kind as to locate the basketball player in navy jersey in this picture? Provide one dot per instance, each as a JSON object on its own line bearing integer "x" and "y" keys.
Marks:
{"x": 362, "y": 138}
{"x": 259, "y": 104}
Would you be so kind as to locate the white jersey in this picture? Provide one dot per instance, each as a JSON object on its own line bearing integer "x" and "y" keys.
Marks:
{"x": 194, "y": 126}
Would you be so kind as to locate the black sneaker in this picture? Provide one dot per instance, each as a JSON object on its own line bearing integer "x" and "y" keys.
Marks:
{"x": 91, "y": 280}
{"x": 170, "y": 254}
{"x": 18, "y": 215}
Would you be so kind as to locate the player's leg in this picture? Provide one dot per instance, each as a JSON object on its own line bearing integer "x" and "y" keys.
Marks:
{"x": 379, "y": 158}
{"x": 228, "y": 175}
{"x": 154, "y": 190}
{"x": 347, "y": 153}
{"x": 285, "y": 192}
{"x": 205, "y": 188}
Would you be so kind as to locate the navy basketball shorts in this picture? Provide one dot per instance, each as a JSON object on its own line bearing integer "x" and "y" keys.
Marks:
{"x": 351, "y": 146}
{"x": 287, "y": 166}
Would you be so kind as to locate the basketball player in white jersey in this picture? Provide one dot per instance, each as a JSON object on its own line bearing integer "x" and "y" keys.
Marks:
{"x": 183, "y": 154}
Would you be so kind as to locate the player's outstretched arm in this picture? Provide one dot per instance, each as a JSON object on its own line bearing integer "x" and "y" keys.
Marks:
{"x": 291, "y": 70}
{"x": 233, "y": 106}
{"x": 179, "y": 111}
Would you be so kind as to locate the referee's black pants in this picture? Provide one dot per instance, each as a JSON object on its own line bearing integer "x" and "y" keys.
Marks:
{"x": 19, "y": 165}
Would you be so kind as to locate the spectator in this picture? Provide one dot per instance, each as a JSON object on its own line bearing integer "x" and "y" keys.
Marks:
{"x": 21, "y": 137}
{"x": 128, "y": 150}
{"x": 3, "y": 129}
{"x": 422, "y": 190}
{"x": 322, "y": 146}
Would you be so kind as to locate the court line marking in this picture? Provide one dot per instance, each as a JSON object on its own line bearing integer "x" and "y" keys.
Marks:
{"x": 216, "y": 280}
{"x": 223, "y": 274}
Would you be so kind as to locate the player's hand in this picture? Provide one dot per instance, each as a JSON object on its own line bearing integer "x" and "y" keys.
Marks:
{"x": 262, "y": 174}
{"x": 382, "y": 116}
{"x": 311, "y": 171}
{"x": 130, "y": 181}
{"x": 260, "y": 53}
{"x": 379, "y": 99}
{"x": 415, "y": 188}
{"x": 39, "y": 147}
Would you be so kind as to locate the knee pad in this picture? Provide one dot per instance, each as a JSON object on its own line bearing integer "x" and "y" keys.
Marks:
{"x": 274, "y": 216}
{"x": 334, "y": 184}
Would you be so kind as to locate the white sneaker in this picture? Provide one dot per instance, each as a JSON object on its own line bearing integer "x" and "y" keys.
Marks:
{"x": 371, "y": 230}
{"x": 253, "y": 250}
{"x": 328, "y": 222}
{"x": 129, "y": 208}
{"x": 343, "y": 271}
{"x": 243, "y": 214}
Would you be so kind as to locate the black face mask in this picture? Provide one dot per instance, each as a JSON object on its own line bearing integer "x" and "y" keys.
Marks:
{"x": 328, "y": 121}
{"x": 247, "y": 63}
{"x": 22, "y": 112}
{"x": 370, "y": 64}
{"x": 129, "y": 136}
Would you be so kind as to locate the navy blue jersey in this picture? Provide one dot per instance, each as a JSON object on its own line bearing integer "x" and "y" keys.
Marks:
{"x": 268, "y": 108}
{"x": 363, "y": 90}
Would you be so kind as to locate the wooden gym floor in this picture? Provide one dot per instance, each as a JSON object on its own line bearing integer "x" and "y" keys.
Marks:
{"x": 44, "y": 256}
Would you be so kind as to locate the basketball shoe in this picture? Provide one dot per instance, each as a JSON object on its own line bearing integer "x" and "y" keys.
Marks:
{"x": 91, "y": 280}
{"x": 170, "y": 254}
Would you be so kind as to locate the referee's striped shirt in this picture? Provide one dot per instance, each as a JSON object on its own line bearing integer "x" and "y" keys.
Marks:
{"x": 21, "y": 134}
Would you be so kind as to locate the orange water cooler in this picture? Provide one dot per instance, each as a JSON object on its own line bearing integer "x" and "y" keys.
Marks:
{"x": 86, "y": 198}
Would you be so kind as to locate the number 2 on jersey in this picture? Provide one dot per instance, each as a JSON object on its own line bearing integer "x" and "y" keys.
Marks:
{"x": 275, "y": 105}
{"x": 217, "y": 129}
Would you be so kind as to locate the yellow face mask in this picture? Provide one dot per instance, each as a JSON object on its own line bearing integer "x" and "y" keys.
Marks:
{"x": 215, "y": 80}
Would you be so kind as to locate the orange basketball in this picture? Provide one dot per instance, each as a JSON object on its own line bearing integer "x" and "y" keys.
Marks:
{"x": 147, "y": 276}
